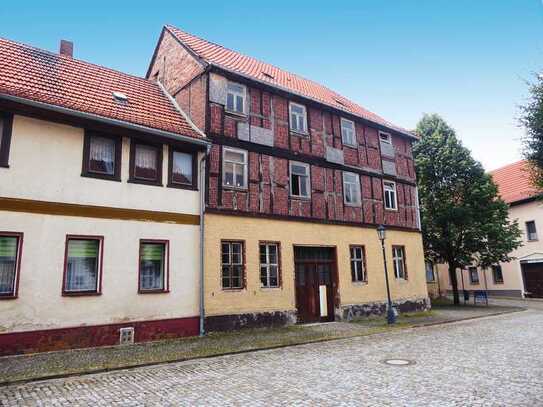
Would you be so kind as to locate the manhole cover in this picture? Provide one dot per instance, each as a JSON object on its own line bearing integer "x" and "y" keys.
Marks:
{"x": 399, "y": 362}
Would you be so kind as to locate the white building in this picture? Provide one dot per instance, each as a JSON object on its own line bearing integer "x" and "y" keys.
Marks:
{"x": 99, "y": 205}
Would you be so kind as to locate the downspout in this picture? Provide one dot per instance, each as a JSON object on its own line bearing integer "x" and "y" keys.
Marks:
{"x": 202, "y": 239}
{"x": 417, "y": 207}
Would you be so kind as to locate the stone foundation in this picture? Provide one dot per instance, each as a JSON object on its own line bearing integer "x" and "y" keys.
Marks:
{"x": 360, "y": 311}
{"x": 250, "y": 320}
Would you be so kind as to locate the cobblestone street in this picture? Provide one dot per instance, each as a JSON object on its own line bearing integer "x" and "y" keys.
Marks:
{"x": 491, "y": 361}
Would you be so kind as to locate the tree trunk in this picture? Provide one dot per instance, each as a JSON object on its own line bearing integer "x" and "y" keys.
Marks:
{"x": 454, "y": 283}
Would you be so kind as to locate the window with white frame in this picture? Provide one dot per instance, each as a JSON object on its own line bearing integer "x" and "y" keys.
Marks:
{"x": 298, "y": 118}
{"x": 358, "y": 264}
{"x": 299, "y": 179}
{"x": 351, "y": 189}
{"x": 234, "y": 168}
{"x": 348, "y": 134}
{"x": 235, "y": 97}
{"x": 384, "y": 138}
{"x": 269, "y": 265}
{"x": 389, "y": 188}
{"x": 398, "y": 259}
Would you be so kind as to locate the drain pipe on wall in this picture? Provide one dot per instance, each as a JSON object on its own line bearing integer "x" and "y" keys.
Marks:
{"x": 202, "y": 240}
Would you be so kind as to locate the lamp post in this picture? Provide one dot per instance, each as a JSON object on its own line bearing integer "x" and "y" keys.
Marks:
{"x": 391, "y": 316}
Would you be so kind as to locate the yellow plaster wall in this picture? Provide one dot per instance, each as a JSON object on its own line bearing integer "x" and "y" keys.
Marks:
{"x": 256, "y": 299}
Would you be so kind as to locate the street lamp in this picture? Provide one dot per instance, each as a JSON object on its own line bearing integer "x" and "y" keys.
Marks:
{"x": 391, "y": 316}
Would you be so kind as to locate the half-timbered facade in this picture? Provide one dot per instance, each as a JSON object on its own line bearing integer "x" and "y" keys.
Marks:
{"x": 298, "y": 178}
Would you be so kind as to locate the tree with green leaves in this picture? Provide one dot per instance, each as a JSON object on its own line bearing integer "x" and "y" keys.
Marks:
{"x": 463, "y": 219}
{"x": 532, "y": 120}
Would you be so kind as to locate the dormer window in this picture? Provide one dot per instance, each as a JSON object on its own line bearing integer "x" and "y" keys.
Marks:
{"x": 298, "y": 118}
{"x": 235, "y": 97}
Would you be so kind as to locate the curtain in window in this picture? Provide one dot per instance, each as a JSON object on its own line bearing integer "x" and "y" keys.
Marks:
{"x": 146, "y": 162}
{"x": 152, "y": 266}
{"x": 8, "y": 263}
{"x": 82, "y": 267}
{"x": 102, "y": 155}
{"x": 182, "y": 168}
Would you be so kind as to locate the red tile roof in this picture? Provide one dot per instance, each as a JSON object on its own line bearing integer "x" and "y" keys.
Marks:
{"x": 514, "y": 182}
{"x": 58, "y": 80}
{"x": 234, "y": 61}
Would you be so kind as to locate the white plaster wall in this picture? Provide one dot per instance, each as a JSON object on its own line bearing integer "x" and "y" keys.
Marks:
{"x": 511, "y": 271}
{"x": 40, "y": 304}
{"x": 45, "y": 164}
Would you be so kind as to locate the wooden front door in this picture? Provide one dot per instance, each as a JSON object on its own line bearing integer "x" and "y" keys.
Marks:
{"x": 533, "y": 279}
{"x": 314, "y": 291}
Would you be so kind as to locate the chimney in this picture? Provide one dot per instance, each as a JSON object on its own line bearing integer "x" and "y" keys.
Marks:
{"x": 67, "y": 48}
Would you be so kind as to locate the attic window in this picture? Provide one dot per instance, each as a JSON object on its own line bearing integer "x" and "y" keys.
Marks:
{"x": 120, "y": 97}
{"x": 267, "y": 75}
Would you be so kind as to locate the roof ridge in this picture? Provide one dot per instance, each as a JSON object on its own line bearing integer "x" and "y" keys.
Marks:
{"x": 508, "y": 166}
{"x": 76, "y": 60}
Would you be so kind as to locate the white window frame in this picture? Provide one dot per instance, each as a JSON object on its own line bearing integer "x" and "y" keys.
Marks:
{"x": 236, "y": 93}
{"x": 358, "y": 192}
{"x": 392, "y": 191}
{"x": 268, "y": 264}
{"x": 360, "y": 276}
{"x": 308, "y": 179}
{"x": 245, "y": 165}
{"x": 397, "y": 259}
{"x": 305, "y": 130}
{"x": 352, "y": 142}
{"x": 387, "y": 139}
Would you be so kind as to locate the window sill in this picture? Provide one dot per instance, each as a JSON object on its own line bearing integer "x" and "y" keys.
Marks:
{"x": 301, "y": 198}
{"x": 299, "y": 133}
{"x": 145, "y": 182}
{"x": 81, "y": 294}
{"x": 232, "y": 290}
{"x": 391, "y": 210}
{"x": 8, "y": 297}
{"x": 498, "y": 283}
{"x": 182, "y": 186}
{"x": 230, "y": 187}
{"x": 270, "y": 288}
{"x": 532, "y": 240}
{"x": 153, "y": 291}
{"x": 101, "y": 176}
{"x": 353, "y": 205}
{"x": 353, "y": 146}
{"x": 234, "y": 113}
{"x": 360, "y": 283}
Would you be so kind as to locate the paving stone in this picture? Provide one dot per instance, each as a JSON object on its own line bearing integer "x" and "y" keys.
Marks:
{"x": 492, "y": 361}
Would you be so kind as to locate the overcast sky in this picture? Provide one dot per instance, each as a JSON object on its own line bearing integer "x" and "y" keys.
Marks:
{"x": 466, "y": 60}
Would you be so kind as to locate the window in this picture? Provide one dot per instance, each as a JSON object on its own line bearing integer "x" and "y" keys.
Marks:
{"x": 234, "y": 168}
{"x": 473, "y": 275}
{"x": 235, "y": 97}
{"x": 6, "y": 121}
{"x": 232, "y": 264}
{"x": 145, "y": 163}
{"x": 384, "y": 138}
{"x": 102, "y": 156}
{"x": 83, "y": 265}
{"x": 153, "y": 267}
{"x": 10, "y": 260}
{"x": 390, "y": 195}
{"x": 348, "y": 134}
{"x": 430, "y": 275}
{"x": 351, "y": 189}
{"x": 298, "y": 118}
{"x": 299, "y": 180}
{"x": 398, "y": 259}
{"x": 497, "y": 274}
{"x": 358, "y": 264}
{"x": 182, "y": 169}
{"x": 531, "y": 231}
{"x": 269, "y": 265}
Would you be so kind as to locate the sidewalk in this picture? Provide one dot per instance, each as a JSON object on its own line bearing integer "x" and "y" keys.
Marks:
{"x": 81, "y": 361}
